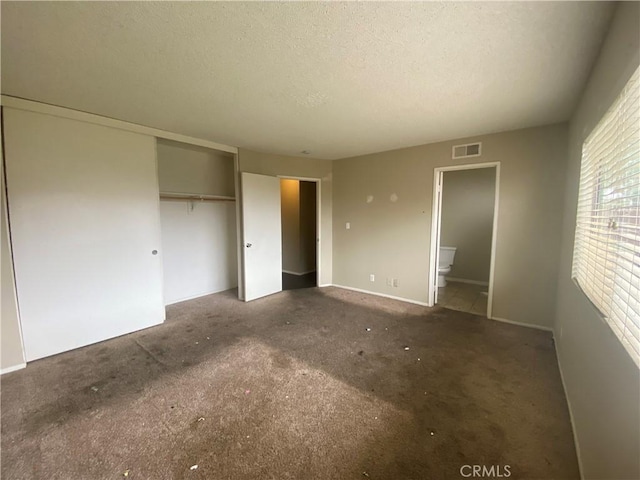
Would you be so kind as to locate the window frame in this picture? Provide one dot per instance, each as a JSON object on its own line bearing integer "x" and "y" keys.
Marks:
{"x": 606, "y": 250}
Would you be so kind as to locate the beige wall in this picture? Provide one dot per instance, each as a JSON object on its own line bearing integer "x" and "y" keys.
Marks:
{"x": 392, "y": 239}
{"x": 267, "y": 164}
{"x": 11, "y": 352}
{"x": 601, "y": 380}
{"x": 187, "y": 168}
{"x": 468, "y": 197}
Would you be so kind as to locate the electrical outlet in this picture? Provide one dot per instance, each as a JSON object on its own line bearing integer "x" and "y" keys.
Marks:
{"x": 388, "y": 282}
{"x": 372, "y": 278}
{"x": 348, "y": 225}
{"x": 395, "y": 282}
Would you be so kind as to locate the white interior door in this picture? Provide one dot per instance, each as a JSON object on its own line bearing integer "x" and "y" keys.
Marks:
{"x": 85, "y": 230}
{"x": 262, "y": 235}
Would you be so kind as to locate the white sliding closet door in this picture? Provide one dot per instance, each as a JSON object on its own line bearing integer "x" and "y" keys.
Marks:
{"x": 84, "y": 219}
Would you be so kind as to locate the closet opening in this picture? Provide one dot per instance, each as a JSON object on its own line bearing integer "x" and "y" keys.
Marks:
{"x": 198, "y": 220}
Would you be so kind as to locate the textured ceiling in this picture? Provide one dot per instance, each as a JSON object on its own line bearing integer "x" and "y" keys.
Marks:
{"x": 336, "y": 79}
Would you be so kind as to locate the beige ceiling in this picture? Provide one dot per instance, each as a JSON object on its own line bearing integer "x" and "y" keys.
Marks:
{"x": 336, "y": 79}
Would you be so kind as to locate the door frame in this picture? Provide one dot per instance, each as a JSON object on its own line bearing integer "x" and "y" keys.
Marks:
{"x": 239, "y": 220}
{"x": 436, "y": 218}
{"x": 318, "y": 183}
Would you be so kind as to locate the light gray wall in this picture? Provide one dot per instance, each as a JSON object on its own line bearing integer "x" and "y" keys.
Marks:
{"x": 601, "y": 380}
{"x": 199, "y": 254}
{"x": 268, "y": 164}
{"x": 392, "y": 239}
{"x": 11, "y": 352}
{"x": 187, "y": 168}
{"x": 468, "y": 197}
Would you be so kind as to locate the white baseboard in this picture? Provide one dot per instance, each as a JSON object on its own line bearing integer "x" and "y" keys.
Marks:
{"x": 573, "y": 424}
{"x": 324, "y": 285}
{"x": 20, "y": 366}
{"x": 464, "y": 280}
{"x": 297, "y": 273}
{"x": 521, "y": 324}
{"x": 393, "y": 297}
{"x": 424, "y": 304}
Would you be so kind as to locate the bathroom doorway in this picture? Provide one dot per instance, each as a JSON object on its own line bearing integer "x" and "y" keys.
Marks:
{"x": 463, "y": 236}
{"x": 299, "y": 210}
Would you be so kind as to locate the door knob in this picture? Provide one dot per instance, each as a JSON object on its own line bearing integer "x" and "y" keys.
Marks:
{"x": 248, "y": 245}
{"x": 154, "y": 252}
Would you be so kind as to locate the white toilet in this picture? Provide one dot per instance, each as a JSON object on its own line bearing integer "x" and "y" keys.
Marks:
{"x": 445, "y": 262}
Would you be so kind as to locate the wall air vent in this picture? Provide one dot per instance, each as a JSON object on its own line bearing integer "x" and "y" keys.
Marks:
{"x": 468, "y": 150}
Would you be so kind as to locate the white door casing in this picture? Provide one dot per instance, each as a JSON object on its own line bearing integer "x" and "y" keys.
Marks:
{"x": 436, "y": 218}
{"x": 438, "y": 210}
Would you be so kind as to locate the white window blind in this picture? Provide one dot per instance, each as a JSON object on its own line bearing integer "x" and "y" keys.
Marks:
{"x": 606, "y": 260}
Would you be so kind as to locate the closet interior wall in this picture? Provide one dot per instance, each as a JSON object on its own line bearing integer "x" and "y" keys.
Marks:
{"x": 198, "y": 220}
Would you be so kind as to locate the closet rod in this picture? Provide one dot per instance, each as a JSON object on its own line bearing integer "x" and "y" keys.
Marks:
{"x": 195, "y": 197}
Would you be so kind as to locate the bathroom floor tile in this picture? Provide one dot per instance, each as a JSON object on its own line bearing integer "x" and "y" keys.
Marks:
{"x": 445, "y": 294}
{"x": 460, "y": 303}
{"x": 464, "y": 297}
{"x": 480, "y": 306}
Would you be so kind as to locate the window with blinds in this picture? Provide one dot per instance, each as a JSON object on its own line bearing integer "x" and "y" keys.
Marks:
{"x": 606, "y": 260}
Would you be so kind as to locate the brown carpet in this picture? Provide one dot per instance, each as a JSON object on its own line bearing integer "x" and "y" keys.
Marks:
{"x": 294, "y": 386}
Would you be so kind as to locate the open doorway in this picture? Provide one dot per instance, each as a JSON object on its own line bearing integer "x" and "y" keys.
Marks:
{"x": 299, "y": 207}
{"x": 463, "y": 237}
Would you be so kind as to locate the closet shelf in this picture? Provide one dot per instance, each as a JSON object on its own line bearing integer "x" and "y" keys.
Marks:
{"x": 195, "y": 196}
